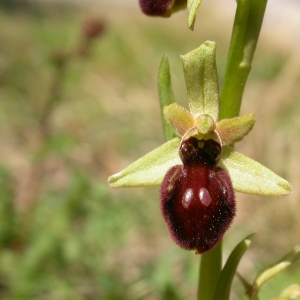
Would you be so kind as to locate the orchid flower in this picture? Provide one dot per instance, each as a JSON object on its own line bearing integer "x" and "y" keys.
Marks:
{"x": 199, "y": 170}
{"x": 165, "y": 8}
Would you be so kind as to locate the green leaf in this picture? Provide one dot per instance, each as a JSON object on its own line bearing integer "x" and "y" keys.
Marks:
{"x": 150, "y": 169}
{"x": 166, "y": 96}
{"x": 233, "y": 130}
{"x": 291, "y": 292}
{"x": 222, "y": 290}
{"x": 250, "y": 177}
{"x": 201, "y": 78}
{"x": 192, "y": 7}
{"x": 180, "y": 118}
{"x": 270, "y": 272}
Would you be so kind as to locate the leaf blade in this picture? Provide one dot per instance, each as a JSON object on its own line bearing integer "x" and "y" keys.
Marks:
{"x": 222, "y": 290}
{"x": 282, "y": 264}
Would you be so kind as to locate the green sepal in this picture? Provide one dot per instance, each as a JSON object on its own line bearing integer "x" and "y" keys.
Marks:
{"x": 222, "y": 289}
{"x": 270, "y": 272}
{"x": 150, "y": 169}
{"x": 192, "y": 6}
{"x": 233, "y": 130}
{"x": 166, "y": 96}
{"x": 250, "y": 177}
{"x": 201, "y": 79}
{"x": 180, "y": 118}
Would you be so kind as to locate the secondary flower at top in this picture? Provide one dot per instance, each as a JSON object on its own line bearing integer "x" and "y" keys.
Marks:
{"x": 164, "y": 8}
{"x": 198, "y": 169}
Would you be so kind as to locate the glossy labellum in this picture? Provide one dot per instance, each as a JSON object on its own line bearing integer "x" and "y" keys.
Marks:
{"x": 197, "y": 198}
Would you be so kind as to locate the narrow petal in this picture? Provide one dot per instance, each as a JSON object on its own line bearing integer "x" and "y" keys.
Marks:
{"x": 179, "y": 117}
{"x": 233, "y": 130}
{"x": 250, "y": 177}
{"x": 192, "y": 6}
{"x": 201, "y": 78}
{"x": 150, "y": 169}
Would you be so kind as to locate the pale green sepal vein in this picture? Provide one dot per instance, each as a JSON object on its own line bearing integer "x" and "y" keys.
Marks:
{"x": 166, "y": 96}
{"x": 222, "y": 290}
{"x": 250, "y": 177}
{"x": 150, "y": 169}
{"x": 233, "y": 130}
{"x": 201, "y": 78}
{"x": 192, "y": 6}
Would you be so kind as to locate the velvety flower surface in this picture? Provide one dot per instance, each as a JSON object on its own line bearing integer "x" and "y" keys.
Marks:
{"x": 198, "y": 170}
{"x": 161, "y": 7}
{"x": 197, "y": 198}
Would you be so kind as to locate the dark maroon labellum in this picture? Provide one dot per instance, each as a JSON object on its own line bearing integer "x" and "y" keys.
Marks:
{"x": 197, "y": 198}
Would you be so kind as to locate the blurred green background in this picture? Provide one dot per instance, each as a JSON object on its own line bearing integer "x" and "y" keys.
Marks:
{"x": 77, "y": 108}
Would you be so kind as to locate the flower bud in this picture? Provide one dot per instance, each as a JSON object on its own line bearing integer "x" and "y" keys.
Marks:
{"x": 163, "y": 8}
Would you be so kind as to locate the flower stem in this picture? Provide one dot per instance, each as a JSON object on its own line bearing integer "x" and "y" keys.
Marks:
{"x": 247, "y": 24}
{"x": 210, "y": 269}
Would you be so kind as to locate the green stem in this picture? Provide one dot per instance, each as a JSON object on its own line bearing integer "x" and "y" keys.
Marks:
{"x": 247, "y": 24}
{"x": 210, "y": 269}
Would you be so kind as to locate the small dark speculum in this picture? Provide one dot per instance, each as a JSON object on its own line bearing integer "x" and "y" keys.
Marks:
{"x": 197, "y": 198}
{"x": 194, "y": 151}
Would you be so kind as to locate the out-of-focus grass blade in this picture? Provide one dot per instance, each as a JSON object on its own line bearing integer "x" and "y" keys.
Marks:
{"x": 291, "y": 292}
{"x": 267, "y": 274}
{"x": 247, "y": 285}
{"x": 222, "y": 290}
{"x": 166, "y": 96}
